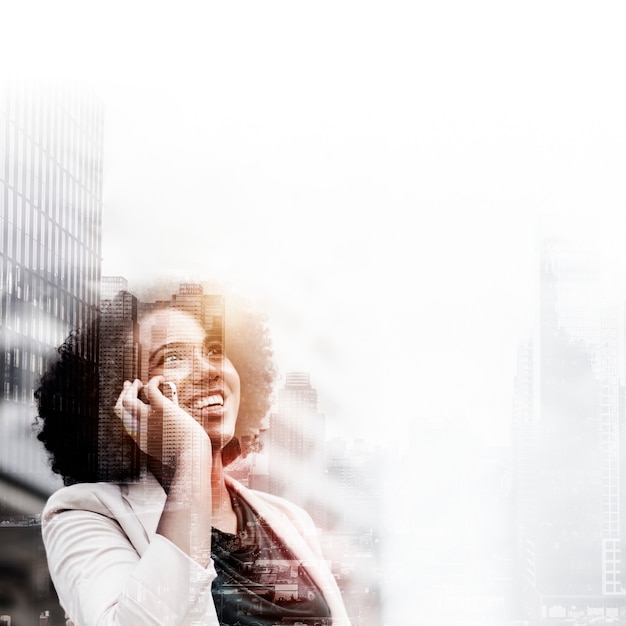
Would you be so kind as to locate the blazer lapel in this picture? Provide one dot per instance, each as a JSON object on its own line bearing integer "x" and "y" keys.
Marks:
{"x": 147, "y": 499}
{"x": 296, "y": 542}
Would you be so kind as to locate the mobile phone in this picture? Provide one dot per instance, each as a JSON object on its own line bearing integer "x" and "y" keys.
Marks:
{"x": 168, "y": 389}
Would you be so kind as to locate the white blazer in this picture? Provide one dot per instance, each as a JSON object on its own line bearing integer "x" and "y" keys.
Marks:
{"x": 109, "y": 566}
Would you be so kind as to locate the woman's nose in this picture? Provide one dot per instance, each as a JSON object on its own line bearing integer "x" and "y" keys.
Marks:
{"x": 203, "y": 364}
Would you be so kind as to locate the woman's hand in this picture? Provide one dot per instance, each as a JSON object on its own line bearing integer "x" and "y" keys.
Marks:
{"x": 160, "y": 428}
{"x": 172, "y": 437}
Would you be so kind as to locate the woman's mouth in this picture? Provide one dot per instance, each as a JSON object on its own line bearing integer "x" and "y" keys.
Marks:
{"x": 213, "y": 400}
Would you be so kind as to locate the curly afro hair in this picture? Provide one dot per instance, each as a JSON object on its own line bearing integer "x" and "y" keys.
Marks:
{"x": 76, "y": 395}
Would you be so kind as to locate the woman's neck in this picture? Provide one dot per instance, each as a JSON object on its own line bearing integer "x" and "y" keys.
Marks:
{"x": 222, "y": 514}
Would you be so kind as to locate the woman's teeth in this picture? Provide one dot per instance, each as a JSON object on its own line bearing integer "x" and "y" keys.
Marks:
{"x": 214, "y": 400}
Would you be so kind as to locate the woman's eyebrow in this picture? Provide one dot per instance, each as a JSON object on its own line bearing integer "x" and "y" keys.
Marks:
{"x": 172, "y": 344}
{"x": 153, "y": 354}
{"x": 211, "y": 340}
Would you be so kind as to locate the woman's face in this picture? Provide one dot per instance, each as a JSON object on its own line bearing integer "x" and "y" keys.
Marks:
{"x": 206, "y": 381}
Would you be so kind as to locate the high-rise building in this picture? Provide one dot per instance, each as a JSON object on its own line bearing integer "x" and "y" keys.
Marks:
{"x": 294, "y": 447}
{"x": 50, "y": 248}
{"x": 119, "y": 360}
{"x": 570, "y": 457}
{"x": 121, "y": 318}
{"x": 523, "y": 465}
{"x": 110, "y": 286}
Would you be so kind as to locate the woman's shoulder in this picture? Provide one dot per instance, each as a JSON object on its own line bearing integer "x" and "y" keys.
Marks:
{"x": 107, "y": 509}
{"x": 96, "y": 497}
{"x": 108, "y": 498}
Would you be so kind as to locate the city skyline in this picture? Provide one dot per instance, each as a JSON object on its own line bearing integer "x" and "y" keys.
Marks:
{"x": 187, "y": 299}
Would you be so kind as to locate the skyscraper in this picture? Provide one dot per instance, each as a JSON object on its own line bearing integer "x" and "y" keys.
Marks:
{"x": 50, "y": 246}
{"x": 569, "y": 444}
{"x": 121, "y": 307}
{"x": 295, "y": 446}
{"x": 119, "y": 360}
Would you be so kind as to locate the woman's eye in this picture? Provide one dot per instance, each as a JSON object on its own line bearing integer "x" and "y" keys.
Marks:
{"x": 214, "y": 349}
{"x": 171, "y": 358}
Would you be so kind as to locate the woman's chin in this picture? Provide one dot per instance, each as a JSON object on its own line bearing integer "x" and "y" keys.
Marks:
{"x": 219, "y": 439}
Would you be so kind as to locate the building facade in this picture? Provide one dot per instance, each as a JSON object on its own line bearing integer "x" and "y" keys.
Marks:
{"x": 50, "y": 252}
{"x": 569, "y": 445}
{"x": 294, "y": 446}
{"x": 50, "y": 235}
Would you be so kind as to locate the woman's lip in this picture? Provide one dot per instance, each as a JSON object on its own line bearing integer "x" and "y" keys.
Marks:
{"x": 209, "y": 395}
{"x": 210, "y": 410}
{"x": 210, "y": 400}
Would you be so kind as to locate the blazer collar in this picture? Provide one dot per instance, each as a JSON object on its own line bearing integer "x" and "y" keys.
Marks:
{"x": 296, "y": 542}
{"x": 147, "y": 500}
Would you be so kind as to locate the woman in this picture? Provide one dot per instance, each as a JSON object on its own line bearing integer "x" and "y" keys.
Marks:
{"x": 184, "y": 543}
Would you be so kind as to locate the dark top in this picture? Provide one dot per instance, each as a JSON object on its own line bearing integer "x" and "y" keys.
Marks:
{"x": 259, "y": 580}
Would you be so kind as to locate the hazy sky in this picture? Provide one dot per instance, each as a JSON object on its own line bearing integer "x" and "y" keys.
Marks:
{"x": 376, "y": 172}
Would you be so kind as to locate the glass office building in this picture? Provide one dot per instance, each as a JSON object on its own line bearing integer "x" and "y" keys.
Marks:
{"x": 569, "y": 445}
{"x": 51, "y": 154}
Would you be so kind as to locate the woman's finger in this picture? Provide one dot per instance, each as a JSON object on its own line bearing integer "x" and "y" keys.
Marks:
{"x": 131, "y": 411}
{"x": 153, "y": 393}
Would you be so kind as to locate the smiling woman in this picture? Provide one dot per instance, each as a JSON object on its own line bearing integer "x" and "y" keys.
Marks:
{"x": 150, "y": 529}
{"x": 78, "y": 393}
